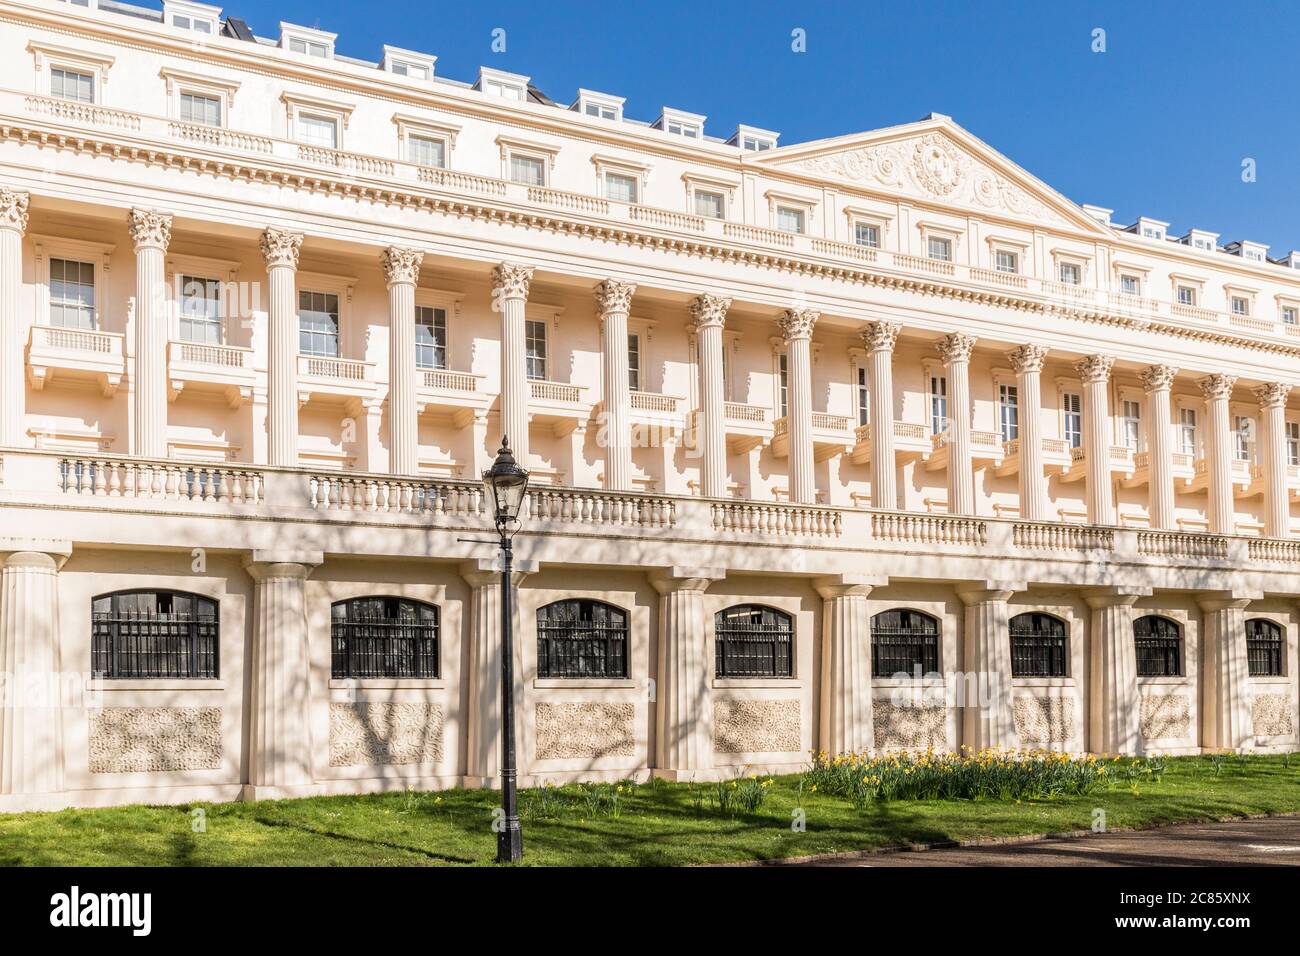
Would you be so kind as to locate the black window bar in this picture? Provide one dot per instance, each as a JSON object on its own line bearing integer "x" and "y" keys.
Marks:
{"x": 383, "y": 637}
{"x": 753, "y": 641}
{"x": 1264, "y": 647}
{"x": 1158, "y": 642}
{"x": 577, "y": 638}
{"x": 1038, "y": 646}
{"x": 154, "y": 634}
{"x": 903, "y": 641}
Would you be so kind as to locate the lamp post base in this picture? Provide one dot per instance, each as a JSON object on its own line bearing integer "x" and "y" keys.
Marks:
{"x": 510, "y": 843}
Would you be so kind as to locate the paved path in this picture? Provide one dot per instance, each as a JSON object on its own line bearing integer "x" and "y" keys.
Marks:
{"x": 1274, "y": 841}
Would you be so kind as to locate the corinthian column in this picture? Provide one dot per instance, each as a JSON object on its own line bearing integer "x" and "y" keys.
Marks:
{"x": 1157, "y": 380}
{"x": 1225, "y": 703}
{"x": 1113, "y": 697}
{"x": 31, "y": 727}
{"x": 13, "y": 223}
{"x": 1095, "y": 372}
{"x": 614, "y": 300}
{"x": 709, "y": 312}
{"x": 879, "y": 337}
{"x": 150, "y": 231}
{"x": 280, "y": 762}
{"x": 988, "y": 722}
{"x": 510, "y": 282}
{"x": 402, "y": 270}
{"x": 1027, "y": 361}
{"x": 956, "y": 349}
{"x": 846, "y": 725}
{"x": 796, "y": 326}
{"x": 1217, "y": 389}
{"x": 683, "y": 709}
{"x": 280, "y": 249}
{"x": 1277, "y": 505}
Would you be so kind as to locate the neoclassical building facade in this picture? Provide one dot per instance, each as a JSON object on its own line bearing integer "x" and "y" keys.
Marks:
{"x": 869, "y": 442}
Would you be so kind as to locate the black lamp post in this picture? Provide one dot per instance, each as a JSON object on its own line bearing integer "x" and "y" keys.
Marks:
{"x": 506, "y": 483}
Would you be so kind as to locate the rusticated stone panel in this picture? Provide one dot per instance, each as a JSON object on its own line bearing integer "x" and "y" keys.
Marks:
{"x": 1271, "y": 714}
{"x": 1166, "y": 716}
{"x": 756, "y": 726}
{"x": 585, "y": 728}
{"x": 369, "y": 734}
{"x": 1044, "y": 720}
{"x": 155, "y": 739}
{"x": 909, "y": 727}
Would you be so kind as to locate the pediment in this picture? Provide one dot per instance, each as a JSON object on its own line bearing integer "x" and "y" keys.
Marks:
{"x": 935, "y": 161}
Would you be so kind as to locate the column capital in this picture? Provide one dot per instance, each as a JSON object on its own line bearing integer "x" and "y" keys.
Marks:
{"x": 1115, "y": 596}
{"x": 1272, "y": 394}
{"x": 881, "y": 335}
{"x": 510, "y": 280}
{"x": 13, "y": 209}
{"x": 269, "y": 565}
{"x": 956, "y": 347}
{"x": 1217, "y": 385}
{"x": 1157, "y": 378}
{"x": 401, "y": 265}
{"x": 797, "y": 323}
{"x": 149, "y": 228}
{"x": 668, "y": 580}
{"x": 989, "y": 592}
{"x": 1095, "y": 369}
{"x": 708, "y": 310}
{"x": 21, "y": 552}
{"x": 486, "y": 572}
{"x": 280, "y": 247}
{"x": 1227, "y": 600}
{"x": 1027, "y": 359}
{"x": 831, "y": 586}
{"x": 613, "y": 295}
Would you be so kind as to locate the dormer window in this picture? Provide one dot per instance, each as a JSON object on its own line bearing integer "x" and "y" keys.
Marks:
{"x": 198, "y": 17}
{"x": 509, "y": 86}
{"x": 753, "y": 139}
{"x": 1149, "y": 228}
{"x": 600, "y": 105}
{"x": 413, "y": 66}
{"x": 1250, "y": 251}
{"x": 306, "y": 41}
{"x": 1200, "y": 239}
{"x": 680, "y": 123}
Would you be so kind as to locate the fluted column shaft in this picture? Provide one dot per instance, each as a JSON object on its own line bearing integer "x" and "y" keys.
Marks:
{"x": 880, "y": 338}
{"x": 280, "y": 249}
{"x": 614, "y": 302}
{"x": 1157, "y": 380}
{"x": 13, "y": 223}
{"x": 1028, "y": 364}
{"x": 1277, "y": 502}
{"x": 1113, "y": 709}
{"x": 796, "y": 327}
{"x": 402, "y": 270}
{"x": 709, "y": 312}
{"x": 1095, "y": 372}
{"x": 1225, "y": 675}
{"x": 151, "y": 232}
{"x": 846, "y": 725}
{"x": 683, "y": 707}
{"x": 31, "y": 726}
{"x": 1217, "y": 390}
{"x": 956, "y": 350}
{"x": 281, "y": 759}
{"x": 987, "y": 720}
{"x": 510, "y": 296}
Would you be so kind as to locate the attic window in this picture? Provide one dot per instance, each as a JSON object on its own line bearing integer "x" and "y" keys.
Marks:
{"x": 510, "y": 86}
{"x": 1151, "y": 232}
{"x": 679, "y": 123}
{"x": 600, "y": 105}
{"x": 186, "y": 15}
{"x": 753, "y": 139}
{"x": 756, "y": 144}
{"x": 306, "y": 41}
{"x": 413, "y": 66}
{"x": 678, "y": 128}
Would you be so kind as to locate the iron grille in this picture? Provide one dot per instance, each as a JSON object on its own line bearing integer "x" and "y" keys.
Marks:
{"x": 1264, "y": 648}
{"x": 902, "y": 641}
{"x": 581, "y": 639}
{"x": 154, "y": 634}
{"x": 1158, "y": 642}
{"x": 383, "y": 637}
{"x": 753, "y": 641}
{"x": 1037, "y": 646}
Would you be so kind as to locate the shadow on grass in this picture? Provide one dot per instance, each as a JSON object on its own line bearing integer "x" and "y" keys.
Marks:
{"x": 365, "y": 841}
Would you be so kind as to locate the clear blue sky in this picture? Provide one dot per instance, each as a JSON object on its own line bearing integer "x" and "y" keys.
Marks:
{"x": 1157, "y": 125}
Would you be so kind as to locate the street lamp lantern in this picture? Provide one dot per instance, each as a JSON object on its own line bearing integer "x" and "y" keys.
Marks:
{"x": 506, "y": 483}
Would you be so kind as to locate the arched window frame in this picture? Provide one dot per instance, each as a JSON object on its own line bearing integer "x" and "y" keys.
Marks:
{"x": 1265, "y": 647}
{"x": 1158, "y": 647}
{"x": 753, "y": 649}
{"x": 367, "y": 642}
{"x": 157, "y": 642}
{"x": 1040, "y": 645}
{"x": 582, "y": 638}
{"x": 900, "y": 648}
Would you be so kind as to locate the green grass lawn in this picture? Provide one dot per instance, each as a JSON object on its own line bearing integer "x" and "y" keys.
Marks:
{"x": 655, "y": 824}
